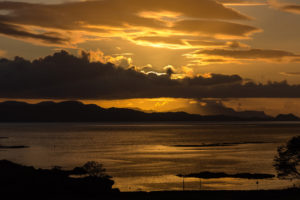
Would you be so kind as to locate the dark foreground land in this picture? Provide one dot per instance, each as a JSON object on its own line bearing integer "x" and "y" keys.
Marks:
{"x": 90, "y": 182}
{"x": 288, "y": 194}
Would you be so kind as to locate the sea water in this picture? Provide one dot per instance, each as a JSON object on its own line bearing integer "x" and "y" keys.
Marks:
{"x": 148, "y": 156}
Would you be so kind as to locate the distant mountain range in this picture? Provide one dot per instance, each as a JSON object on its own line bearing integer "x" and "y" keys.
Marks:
{"x": 75, "y": 111}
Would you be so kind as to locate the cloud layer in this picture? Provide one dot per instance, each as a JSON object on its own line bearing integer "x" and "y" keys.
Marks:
{"x": 285, "y": 6}
{"x": 75, "y": 22}
{"x": 21, "y": 32}
{"x": 64, "y": 76}
{"x": 244, "y": 2}
{"x": 242, "y": 55}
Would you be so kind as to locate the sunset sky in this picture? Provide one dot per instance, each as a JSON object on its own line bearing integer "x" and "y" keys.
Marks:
{"x": 199, "y": 56}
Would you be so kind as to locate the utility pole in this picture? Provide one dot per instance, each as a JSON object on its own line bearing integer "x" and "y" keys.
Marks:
{"x": 200, "y": 184}
{"x": 182, "y": 182}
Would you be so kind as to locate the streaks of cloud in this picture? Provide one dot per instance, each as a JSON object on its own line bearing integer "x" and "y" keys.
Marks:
{"x": 243, "y": 2}
{"x": 242, "y": 55}
{"x": 285, "y": 6}
{"x": 74, "y": 22}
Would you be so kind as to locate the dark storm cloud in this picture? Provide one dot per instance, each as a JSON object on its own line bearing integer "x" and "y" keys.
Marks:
{"x": 214, "y": 79}
{"x": 64, "y": 76}
{"x": 237, "y": 55}
{"x": 20, "y": 32}
{"x": 249, "y": 54}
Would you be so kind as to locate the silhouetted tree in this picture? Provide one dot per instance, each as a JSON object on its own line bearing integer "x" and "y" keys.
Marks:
{"x": 78, "y": 171}
{"x": 94, "y": 169}
{"x": 15, "y": 178}
{"x": 169, "y": 71}
{"x": 56, "y": 168}
{"x": 287, "y": 160}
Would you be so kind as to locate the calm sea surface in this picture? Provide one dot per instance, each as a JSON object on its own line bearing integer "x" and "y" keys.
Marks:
{"x": 149, "y": 156}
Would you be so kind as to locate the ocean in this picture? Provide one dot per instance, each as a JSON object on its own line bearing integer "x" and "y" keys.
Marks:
{"x": 148, "y": 156}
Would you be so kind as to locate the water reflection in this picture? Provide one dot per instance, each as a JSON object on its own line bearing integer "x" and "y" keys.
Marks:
{"x": 148, "y": 157}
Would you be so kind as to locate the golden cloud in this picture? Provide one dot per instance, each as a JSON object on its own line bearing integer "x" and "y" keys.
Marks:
{"x": 220, "y": 29}
{"x": 75, "y": 22}
{"x": 243, "y": 2}
{"x": 290, "y": 73}
{"x": 208, "y": 56}
{"x": 124, "y": 61}
{"x": 285, "y": 6}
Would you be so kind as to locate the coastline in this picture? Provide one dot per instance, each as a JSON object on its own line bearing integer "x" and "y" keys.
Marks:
{"x": 286, "y": 194}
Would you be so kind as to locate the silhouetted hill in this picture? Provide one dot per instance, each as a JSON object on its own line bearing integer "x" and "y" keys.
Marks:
{"x": 287, "y": 117}
{"x": 74, "y": 111}
{"x": 218, "y": 108}
{"x": 17, "y": 178}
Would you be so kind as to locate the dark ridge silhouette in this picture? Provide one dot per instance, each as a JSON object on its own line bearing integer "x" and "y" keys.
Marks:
{"x": 75, "y": 111}
{"x": 213, "y": 107}
{"x": 22, "y": 179}
{"x": 210, "y": 175}
{"x": 287, "y": 117}
{"x": 219, "y": 144}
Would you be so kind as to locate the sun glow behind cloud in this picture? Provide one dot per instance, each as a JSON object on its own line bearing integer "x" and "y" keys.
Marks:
{"x": 197, "y": 26}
